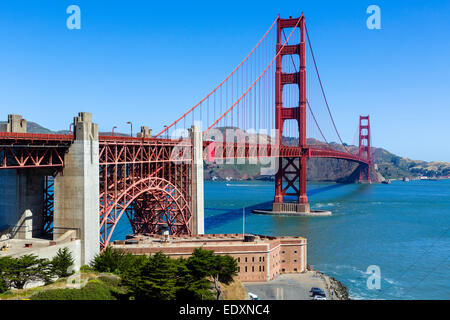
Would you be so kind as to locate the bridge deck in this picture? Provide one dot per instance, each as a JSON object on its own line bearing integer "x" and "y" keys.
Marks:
{"x": 19, "y": 150}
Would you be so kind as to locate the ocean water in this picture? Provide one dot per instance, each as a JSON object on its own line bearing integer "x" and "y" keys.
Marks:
{"x": 402, "y": 228}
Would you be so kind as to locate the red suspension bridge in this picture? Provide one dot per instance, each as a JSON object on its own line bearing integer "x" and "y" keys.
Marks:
{"x": 268, "y": 90}
{"x": 262, "y": 102}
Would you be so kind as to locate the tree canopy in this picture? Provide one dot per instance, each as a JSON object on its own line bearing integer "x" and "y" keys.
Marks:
{"x": 160, "y": 277}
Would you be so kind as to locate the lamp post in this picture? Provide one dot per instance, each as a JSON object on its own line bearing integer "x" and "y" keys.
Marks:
{"x": 129, "y": 122}
{"x": 113, "y": 130}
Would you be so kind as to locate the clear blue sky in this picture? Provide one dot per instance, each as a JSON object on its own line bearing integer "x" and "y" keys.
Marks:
{"x": 147, "y": 62}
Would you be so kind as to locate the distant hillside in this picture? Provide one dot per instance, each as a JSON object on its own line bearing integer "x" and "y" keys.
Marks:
{"x": 33, "y": 127}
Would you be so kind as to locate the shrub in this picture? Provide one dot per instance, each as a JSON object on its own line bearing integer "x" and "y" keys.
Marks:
{"x": 115, "y": 261}
{"x": 86, "y": 268}
{"x": 62, "y": 262}
{"x": 108, "y": 261}
{"x": 94, "y": 290}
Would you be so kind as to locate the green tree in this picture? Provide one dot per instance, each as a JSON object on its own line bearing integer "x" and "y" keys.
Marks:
{"x": 116, "y": 261}
{"x": 108, "y": 261}
{"x": 190, "y": 287}
{"x": 155, "y": 279}
{"x": 25, "y": 269}
{"x": 5, "y": 266}
{"x": 62, "y": 262}
{"x": 203, "y": 263}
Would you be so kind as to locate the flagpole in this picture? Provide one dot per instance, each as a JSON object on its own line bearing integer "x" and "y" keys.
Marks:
{"x": 243, "y": 222}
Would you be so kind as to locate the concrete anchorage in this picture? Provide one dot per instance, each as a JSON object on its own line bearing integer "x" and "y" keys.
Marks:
{"x": 76, "y": 189}
{"x": 21, "y": 193}
{"x": 21, "y": 205}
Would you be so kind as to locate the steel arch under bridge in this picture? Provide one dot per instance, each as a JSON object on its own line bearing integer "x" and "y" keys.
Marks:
{"x": 144, "y": 181}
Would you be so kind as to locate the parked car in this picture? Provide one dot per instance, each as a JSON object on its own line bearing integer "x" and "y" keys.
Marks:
{"x": 318, "y": 297}
{"x": 252, "y": 296}
{"x": 317, "y": 292}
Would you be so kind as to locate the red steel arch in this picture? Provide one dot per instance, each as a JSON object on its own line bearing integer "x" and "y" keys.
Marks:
{"x": 164, "y": 204}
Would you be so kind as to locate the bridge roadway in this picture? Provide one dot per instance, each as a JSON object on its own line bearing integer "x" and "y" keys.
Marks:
{"x": 22, "y": 150}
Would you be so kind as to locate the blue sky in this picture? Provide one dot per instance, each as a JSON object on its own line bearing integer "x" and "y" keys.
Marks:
{"x": 148, "y": 62}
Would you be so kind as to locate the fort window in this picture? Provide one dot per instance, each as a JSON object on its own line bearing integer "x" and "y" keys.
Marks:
{"x": 245, "y": 268}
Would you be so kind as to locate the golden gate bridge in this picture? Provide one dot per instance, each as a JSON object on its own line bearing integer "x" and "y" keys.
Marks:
{"x": 157, "y": 180}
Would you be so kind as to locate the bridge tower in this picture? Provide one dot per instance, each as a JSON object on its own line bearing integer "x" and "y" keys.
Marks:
{"x": 364, "y": 148}
{"x": 290, "y": 180}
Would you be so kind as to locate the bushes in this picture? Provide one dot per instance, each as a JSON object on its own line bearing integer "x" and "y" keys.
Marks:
{"x": 159, "y": 277}
{"x": 101, "y": 289}
{"x": 156, "y": 277}
{"x": 115, "y": 261}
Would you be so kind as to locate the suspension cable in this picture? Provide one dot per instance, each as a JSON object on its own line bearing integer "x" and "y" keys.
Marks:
{"x": 245, "y": 93}
{"x": 323, "y": 91}
{"x": 307, "y": 101}
{"x": 215, "y": 89}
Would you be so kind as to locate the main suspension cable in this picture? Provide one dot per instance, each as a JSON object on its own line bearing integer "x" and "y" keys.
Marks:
{"x": 323, "y": 91}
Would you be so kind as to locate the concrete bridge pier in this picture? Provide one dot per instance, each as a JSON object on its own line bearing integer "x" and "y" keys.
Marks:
{"x": 145, "y": 132}
{"x": 76, "y": 189}
{"x": 21, "y": 202}
{"x": 198, "y": 210}
{"x": 21, "y": 193}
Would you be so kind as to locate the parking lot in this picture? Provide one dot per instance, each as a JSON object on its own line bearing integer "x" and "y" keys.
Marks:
{"x": 289, "y": 287}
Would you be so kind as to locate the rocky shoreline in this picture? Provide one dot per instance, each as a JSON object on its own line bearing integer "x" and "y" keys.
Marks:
{"x": 337, "y": 289}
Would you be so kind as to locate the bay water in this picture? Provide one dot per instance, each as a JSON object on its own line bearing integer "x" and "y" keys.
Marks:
{"x": 402, "y": 229}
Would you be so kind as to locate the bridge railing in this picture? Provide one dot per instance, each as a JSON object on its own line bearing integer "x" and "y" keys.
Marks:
{"x": 36, "y": 136}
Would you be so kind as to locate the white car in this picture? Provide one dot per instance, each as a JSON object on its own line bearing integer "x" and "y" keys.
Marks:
{"x": 317, "y": 297}
{"x": 252, "y": 296}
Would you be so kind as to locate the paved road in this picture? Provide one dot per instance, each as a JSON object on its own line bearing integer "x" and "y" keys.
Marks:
{"x": 288, "y": 287}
